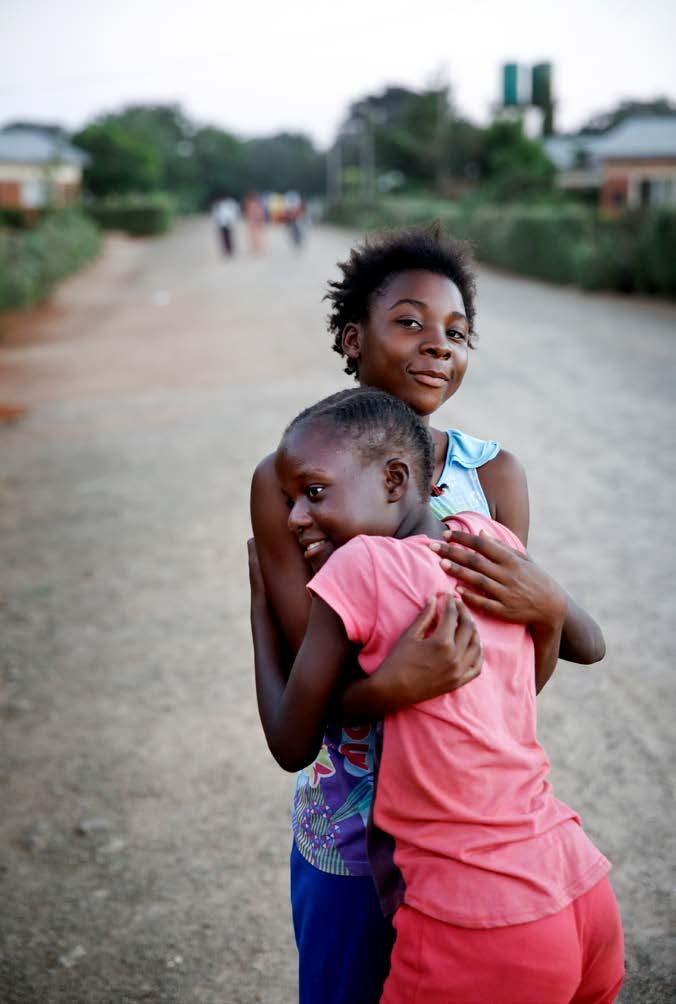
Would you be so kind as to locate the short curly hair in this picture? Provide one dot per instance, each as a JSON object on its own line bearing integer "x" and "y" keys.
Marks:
{"x": 372, "y": 263}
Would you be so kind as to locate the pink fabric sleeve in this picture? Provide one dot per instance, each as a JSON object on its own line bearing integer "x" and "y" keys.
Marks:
{"x": 347, "y": 584}
{"x": 474, "y": 522}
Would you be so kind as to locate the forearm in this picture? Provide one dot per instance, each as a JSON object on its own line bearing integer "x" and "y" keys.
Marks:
{"x": 292, "y": 742}
{"x": 581, "y": 638}
{"x": 269, "y": 669}
{"x": 546, "y": 641}
{"x": 365, "y": 700}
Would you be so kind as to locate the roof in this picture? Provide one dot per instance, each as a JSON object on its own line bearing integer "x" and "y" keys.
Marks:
{"x": 641, "y": 136}
{"x": 33, "y": 146}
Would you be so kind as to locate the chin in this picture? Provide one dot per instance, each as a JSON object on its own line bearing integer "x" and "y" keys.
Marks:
{"x": 320, "y": 560}
{"x": 423, "y": 405}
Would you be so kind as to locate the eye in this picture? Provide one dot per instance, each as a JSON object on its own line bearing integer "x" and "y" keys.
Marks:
{"x": 409, "y": 323}
{"x": 456, "y": 335}
{"x": 314, "y": 492}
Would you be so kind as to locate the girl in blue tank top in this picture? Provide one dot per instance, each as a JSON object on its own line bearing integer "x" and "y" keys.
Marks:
{"x": 403, "y": 319}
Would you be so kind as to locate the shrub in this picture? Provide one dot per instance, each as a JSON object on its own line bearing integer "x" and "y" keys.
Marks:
{"x": 557, "y": 241}
{"x": 32, "y": 260}
{"x": 137, "y": 214}
{"x": 535, "y": 240}
{"x": 657, "y": 252}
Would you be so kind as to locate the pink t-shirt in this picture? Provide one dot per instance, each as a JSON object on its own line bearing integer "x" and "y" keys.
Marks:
{"x": 481, "y": 841}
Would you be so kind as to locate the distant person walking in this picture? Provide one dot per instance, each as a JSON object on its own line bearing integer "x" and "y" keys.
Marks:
{"x": 293, "y": 213}
{"x": 254, "y": 214}
{"x": 225, "y": 213}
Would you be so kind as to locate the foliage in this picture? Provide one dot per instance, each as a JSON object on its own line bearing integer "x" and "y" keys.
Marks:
{"x": 17, "y": 219}
{"x": 563, "y": 243}
{"x": 633, "y": 253}
{"x": 414, "y": 132}
{"x": 31, "y": 261}
{"x": 135, "y": 213}
{"x": 219, "y": 166}
{"x": 515, "y": 167}
{"x": 147, "y": 148}
{"x": 282, "y": 162}
{"x": 120, "y": 161}
{"x": 604, "y": 121}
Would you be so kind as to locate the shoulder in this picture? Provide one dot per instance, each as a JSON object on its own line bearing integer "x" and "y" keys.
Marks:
{"x": 475, "y": 523}
{"x": 269, "y": 512}
{"x": 265, "y": 491}
{"x": 264, "y": 473}
{"x": 468, "y": 451}
{"x": 504, "y": 483}
{"x": 504, "y": 468}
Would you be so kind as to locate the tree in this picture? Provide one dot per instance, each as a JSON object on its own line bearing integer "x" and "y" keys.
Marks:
{"x": 146, "y": 147}
{"x": 417, "y": 133}
{"x": 408, "y": 130}
{"x": 514, "y": 166}
{"x": 282, "y": 162}
{"x": 219, "y": 165}
{"x": 603, "y": 121}
{"x": 119, "y": 161}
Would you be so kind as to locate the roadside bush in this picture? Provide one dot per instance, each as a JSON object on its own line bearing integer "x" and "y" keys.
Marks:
{"x": 31, "y": 261}
{"x": 657, "y": 252}
{"x": 559, "y": 242}
{"x": 17, "y": 219}
{"x": 534, "y": 240}
{"x": 137, "y": 214}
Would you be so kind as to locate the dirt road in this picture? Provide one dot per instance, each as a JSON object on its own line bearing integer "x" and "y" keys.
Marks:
{"x": 144, "y": 827}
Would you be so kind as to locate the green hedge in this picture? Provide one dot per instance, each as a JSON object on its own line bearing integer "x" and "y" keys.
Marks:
{"x": 32, "y": 260}
{"x": 139, "y": 215}
{"x": 564, "y": 243}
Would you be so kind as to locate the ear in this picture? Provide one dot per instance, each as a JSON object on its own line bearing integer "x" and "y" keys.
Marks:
{"x": 397, "y": 476}
{"x": 351, "y": 340}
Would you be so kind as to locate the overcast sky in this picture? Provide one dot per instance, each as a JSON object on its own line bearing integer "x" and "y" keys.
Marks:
{"x": 259, "y": 67}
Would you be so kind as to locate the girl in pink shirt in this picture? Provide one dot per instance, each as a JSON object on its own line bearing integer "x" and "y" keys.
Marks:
{"x": 403, "y": 320}
{"x": 506, "y": 900}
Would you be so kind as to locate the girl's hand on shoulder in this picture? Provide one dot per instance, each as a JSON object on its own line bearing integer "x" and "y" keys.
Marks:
{"x": 501, "y": 581}
{"x": 439, "y": 652}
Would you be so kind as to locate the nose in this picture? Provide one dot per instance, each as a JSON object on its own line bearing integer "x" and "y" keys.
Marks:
{"x": 436, "y": 344}
{"x": 299, "y": 517}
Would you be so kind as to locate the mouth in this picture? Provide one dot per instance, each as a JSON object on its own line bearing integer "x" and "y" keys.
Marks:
{"x": 313, "y": 547}
{"x": 429, "y": 378}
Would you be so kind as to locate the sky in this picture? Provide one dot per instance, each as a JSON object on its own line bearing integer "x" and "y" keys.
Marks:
{"x": 262, "y": 66}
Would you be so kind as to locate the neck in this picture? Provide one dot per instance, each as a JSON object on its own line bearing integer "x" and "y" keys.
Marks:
{"x": 440, "y": 441}
{"x": 420, "y": 520}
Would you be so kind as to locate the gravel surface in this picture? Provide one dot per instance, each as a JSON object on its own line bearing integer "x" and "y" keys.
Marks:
{"x": 144, "y": 828}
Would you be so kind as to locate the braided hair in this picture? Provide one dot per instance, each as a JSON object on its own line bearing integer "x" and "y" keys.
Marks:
{"x": 381, "y": 256}
{"x": 376, "y": 423}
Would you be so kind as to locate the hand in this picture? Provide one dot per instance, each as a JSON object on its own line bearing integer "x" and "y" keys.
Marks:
{"x": 439, "y": 652}
{"x": 501, "y": 581}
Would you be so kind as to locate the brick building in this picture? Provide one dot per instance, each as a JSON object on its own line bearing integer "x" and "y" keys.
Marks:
{"x": 38, "y": 168}
{"x": 632, "y": 166}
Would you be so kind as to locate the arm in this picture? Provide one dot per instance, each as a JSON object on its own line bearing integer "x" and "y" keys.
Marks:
{"x": 503, "y": 480}
{"x": 546, "y": 641}
{"x": 439, "y": 652}
{"x": 285, "y": 573}
{"x": 293, "y": 712}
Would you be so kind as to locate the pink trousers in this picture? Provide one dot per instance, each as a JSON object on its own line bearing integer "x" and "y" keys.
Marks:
{"x": 575, "y": 956}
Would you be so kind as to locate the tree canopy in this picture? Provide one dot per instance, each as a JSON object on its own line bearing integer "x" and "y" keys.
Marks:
{"x": 146, "y": 147}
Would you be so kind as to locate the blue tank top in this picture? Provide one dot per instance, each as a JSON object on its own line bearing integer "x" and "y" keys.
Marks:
{"x": 332, "y": 798}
